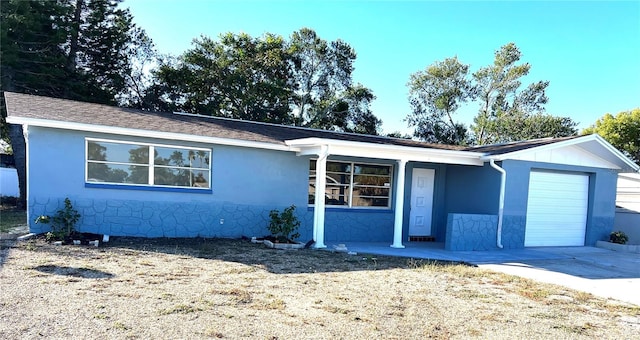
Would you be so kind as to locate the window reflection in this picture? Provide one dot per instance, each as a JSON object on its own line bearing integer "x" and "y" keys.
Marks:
{"x": 353, "y": 184}
{"x": 127, "y": 163}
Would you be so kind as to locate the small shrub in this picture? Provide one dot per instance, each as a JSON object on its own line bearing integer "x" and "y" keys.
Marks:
{"x": 618, "y": 237}
{"x": 62, "y": 224}
{"x": 284, "y": 226}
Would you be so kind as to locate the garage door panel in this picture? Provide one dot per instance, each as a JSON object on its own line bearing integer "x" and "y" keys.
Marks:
{"x": 556, "y": 209}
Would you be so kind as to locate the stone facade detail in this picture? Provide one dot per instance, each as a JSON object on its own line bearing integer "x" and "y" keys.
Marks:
{"x": 513, "y": 229}
{"x": 471, "y": 232}
{"x": 165, "y": 219}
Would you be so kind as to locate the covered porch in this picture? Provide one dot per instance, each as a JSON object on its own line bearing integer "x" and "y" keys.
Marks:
{"x": 405, "y": 160}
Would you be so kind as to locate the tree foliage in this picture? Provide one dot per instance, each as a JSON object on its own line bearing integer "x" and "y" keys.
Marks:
{"x": 621, "y": 130}
{"x": 76, "y": 49}
{"x": 305, "y": 81}
{"x": 506, "y": 111}
{"x": 238, "y": 76}
{"x": 87, "y": 50}
{"x": 504, "y": 108}
{"x": 434, "y": 95}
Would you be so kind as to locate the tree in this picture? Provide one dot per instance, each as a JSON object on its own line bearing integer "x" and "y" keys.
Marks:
{"x": 349, "y": 112}
{"x": 502, "y": 106}
{"x": 507, "y": 113}
{"x": 434, "y": 95}
{"x": 237, "y": 77}
{"x": 621, "y": 130}
{"x": 304, "y": 82}
{"x": 75, "y": 49}
{"x": 104, "y": 50}
{"x": 321, "y": 80}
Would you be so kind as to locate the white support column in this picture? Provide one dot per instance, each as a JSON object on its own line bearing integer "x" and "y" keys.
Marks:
{"x": 399, "y": 210}
{"x": 319, "y": 209}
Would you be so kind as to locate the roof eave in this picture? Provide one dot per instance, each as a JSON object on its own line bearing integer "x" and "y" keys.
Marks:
{"x": 312, "y": 146}
{"x": 623, "y": 161}
{"x": 65, "y": 125}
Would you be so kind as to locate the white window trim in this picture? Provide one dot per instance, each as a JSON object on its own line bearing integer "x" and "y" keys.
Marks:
{"x": 151, "y": 164}
{"x": 351, "y": 185}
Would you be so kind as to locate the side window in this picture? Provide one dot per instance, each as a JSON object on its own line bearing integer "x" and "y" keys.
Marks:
{"x": 114, "y": 162}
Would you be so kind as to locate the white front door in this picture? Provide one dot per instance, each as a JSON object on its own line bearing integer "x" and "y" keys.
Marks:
{"x": 421, "y": 202}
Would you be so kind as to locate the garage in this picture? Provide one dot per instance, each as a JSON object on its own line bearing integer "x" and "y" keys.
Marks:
{"x": 556, "y": 209}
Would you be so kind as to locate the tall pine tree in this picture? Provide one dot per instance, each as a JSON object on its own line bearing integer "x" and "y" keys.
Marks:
{"x": 76, "y": 49}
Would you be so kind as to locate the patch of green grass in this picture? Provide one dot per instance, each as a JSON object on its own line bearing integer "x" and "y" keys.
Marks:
{"x": 11, "y": 218}
{"x": 180, "y": 309}
{"x": 121, "y": 326}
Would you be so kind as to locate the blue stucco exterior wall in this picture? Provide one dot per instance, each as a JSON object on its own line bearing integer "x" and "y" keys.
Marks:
{"x": 358, "y": 225}
{"x": 246, "y": 185}
{"x": 601, "y": 209}
{"x": 472, "y": 196}
{"x": 472, "y": 189}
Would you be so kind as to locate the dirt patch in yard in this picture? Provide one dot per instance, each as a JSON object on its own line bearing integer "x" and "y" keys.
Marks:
{"x": 197, "y": 288}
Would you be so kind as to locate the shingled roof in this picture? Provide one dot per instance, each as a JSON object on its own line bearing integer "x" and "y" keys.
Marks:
{"x": 499, "y": 149}
{"x": 62, "y": 110}
{"x": 68, "y": 114}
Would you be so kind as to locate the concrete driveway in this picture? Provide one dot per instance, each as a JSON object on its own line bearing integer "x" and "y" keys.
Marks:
{"x": 601, "y": 272}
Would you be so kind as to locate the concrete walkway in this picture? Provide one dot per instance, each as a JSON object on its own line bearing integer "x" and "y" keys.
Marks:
{"x": 601, "y": 272}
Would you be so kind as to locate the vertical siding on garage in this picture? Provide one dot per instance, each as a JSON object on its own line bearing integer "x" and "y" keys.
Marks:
{"x": 601, "y": 208}
{"x": 556, "y": 209}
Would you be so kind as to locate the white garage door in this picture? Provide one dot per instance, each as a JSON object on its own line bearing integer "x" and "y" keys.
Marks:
{"x": 556, "y": 209}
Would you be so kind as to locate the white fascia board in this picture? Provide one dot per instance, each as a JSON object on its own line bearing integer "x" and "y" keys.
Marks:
{"x": 509, "y": 155}
{"x": 310, "y": 146}
{"x": 146, "y": 133}
{"x": 576, "y": 141}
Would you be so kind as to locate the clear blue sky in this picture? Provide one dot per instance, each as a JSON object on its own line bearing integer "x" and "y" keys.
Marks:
{"x": 589, "y": 51}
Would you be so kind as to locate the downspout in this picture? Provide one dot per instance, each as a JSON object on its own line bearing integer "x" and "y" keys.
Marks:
{"x": 503, "y": 180}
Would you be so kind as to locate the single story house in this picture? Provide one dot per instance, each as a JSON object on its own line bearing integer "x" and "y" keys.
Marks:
{"x": 153, "y": 174}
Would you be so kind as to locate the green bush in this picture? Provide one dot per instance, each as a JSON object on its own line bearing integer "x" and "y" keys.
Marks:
{"x": 618, "y": 237}
{"x": 284, "y": 226}
{"x": 62, "y": 224}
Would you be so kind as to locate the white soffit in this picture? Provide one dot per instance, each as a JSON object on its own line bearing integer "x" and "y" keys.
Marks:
{"x": 312, "y": 146}
{"x": 590, "y": 151}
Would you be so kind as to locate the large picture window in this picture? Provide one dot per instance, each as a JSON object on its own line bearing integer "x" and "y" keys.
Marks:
{"x": 114, "y": 162}
{"x": 352, "y": 184}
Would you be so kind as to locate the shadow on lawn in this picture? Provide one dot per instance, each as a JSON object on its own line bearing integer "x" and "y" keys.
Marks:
{"x": 5, "y": 248}
{"x": 251, "y": 254}
{"x": 86, "y": 273}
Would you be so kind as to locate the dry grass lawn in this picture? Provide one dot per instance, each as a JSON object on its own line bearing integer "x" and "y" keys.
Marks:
{"x": 141, "y": 288}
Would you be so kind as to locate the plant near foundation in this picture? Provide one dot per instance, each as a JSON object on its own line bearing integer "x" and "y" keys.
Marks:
{"x": 62, "y": 223}
{"x": 284, "y": 226}
{"x": 618, "y": 237}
